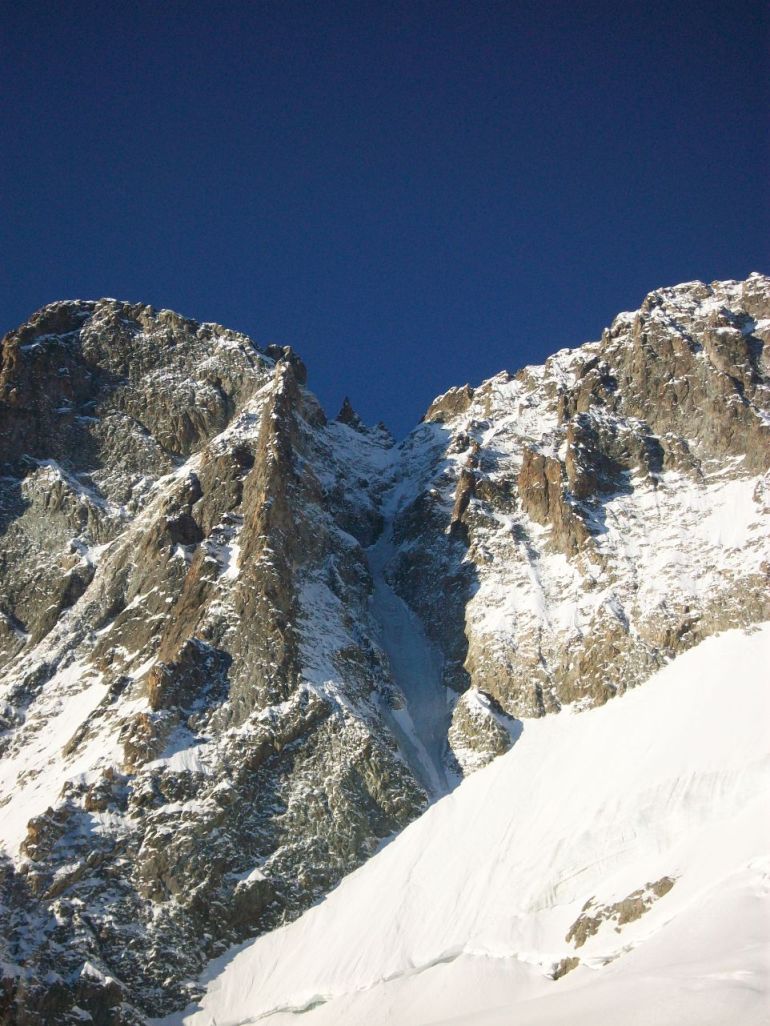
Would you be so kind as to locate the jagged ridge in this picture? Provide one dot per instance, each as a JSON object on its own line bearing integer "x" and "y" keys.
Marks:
{"x": 199, "y": 578}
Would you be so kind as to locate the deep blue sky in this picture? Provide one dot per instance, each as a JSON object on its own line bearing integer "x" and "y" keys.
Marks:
{"x": 414, "y": 195}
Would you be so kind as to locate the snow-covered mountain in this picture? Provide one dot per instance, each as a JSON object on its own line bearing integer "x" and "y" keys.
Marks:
{"x": 242, "y": 645}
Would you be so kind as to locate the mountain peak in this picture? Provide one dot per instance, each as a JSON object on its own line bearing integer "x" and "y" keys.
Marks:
{"x": 241, "y": 646}
{"x": 347, "y": 415}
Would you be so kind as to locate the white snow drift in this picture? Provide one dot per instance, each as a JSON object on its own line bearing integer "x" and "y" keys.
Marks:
{"x": 463, "y": 918}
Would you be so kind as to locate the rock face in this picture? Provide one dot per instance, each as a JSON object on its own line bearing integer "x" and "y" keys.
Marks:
{"x": 618, "y": 511}
{"x": 207, "y": 591}
{"x": 194, "y": 744}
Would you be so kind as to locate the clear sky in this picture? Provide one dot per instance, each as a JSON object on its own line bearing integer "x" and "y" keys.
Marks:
{"x": 412, "y": 194}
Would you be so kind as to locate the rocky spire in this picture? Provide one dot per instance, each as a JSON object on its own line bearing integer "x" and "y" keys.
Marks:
{"x": 348, "y": 415}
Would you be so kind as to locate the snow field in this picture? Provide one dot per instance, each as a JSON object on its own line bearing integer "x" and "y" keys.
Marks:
{"x": 463, "y": 917}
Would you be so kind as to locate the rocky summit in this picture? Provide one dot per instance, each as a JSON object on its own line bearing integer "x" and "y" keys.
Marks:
{"x": 241, "y": 645}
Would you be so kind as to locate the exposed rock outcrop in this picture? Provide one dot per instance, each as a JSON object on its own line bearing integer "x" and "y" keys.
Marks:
{"x": 594, "y": 914}
{"x": 163, "y": 587}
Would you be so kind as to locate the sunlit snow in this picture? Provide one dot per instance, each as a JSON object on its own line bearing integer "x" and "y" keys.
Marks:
{"x": 462, "y": 919}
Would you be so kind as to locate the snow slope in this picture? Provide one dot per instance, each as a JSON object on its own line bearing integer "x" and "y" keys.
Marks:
{"x": 421, "y": 725}
{"x": 463, "y": 918}
{"x": 30, "y": 780}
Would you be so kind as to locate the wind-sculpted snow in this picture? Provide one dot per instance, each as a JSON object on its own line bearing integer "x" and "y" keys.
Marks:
{"x": 465, "y": 917}
{"x": 242, "y": 646}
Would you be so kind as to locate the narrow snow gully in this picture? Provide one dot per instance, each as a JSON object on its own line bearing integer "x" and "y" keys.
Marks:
{"x": 416, "y": 665}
